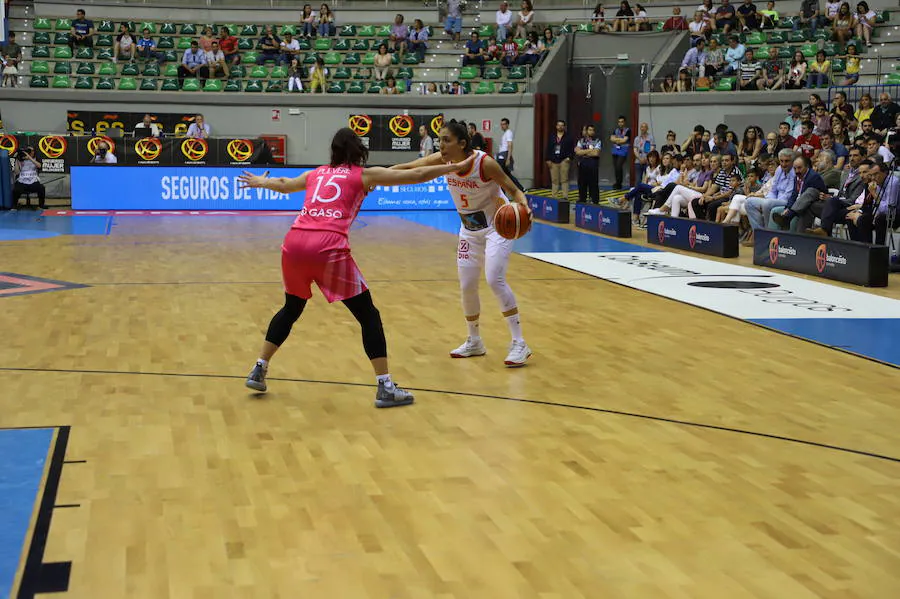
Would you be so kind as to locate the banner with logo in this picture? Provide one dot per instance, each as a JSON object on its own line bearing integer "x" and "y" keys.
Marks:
{"x": 99, "y": 187}
{"x": 59, "y": 152}
{"x": 699, "y": 236}
{"x": 86, "y": 121}
{"x": 549, "y": 209}
{"x": 394, "y": 132}
{"x": 603, "y": 219}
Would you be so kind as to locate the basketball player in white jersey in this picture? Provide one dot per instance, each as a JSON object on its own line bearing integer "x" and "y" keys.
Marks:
{"x": 478, "y": 194}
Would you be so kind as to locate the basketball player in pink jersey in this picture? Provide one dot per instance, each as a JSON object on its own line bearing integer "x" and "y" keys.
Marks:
{"x": 478, "y": 192}
{"x": 316, "y": 249}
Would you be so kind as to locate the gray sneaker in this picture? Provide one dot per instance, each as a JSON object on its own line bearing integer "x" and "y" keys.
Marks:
{"x": 257, "y": 379}
{"x": 396, "y": 396}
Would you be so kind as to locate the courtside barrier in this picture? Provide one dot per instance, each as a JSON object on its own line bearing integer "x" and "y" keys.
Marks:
{"x": 603, "y": 219}
{"x": 549, "y": 209}
{"x": 698, "y": 236}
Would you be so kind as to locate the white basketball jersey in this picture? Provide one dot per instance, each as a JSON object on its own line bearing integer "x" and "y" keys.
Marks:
{"x": 477, "y": 198}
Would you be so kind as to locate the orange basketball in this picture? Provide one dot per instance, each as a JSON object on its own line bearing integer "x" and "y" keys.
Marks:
{"x": 512, "y": 221}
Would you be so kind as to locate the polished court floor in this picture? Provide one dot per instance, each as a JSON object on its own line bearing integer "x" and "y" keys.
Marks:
{"x": 651, "y": 448}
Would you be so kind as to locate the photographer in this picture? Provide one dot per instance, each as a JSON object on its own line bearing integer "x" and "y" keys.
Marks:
{"x": 26, "y": 171}
{"x": 103, "y": 155}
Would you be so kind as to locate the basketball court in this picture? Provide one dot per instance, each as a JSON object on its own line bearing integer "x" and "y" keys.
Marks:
{"x": 687, "y": 428}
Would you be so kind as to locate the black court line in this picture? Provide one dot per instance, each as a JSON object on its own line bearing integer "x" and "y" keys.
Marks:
{"x": 61, "y": 506}
{"x": 687, "y": 423}
{"x": 75, "y": 462}
{"x": 38, "y": 577}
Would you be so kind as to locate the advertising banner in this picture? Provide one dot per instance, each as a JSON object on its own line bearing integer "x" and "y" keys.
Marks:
{"x": 603, "y": 219}
{"x": 394, "y": 132}
{"x": 114, "y": 187}
{"x": 87, "y": 121}
{"x": 699, "y": 236}
{"x": 549, "y": 209}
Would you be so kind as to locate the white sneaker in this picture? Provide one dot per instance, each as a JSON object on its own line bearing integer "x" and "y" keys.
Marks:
{"x": 656, "y": 212}
{"x": 519, "y": 352}
{"x": 472, "y": 347}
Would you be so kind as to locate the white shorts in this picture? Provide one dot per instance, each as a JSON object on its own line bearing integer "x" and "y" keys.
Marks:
{"x": 477, "y": 246}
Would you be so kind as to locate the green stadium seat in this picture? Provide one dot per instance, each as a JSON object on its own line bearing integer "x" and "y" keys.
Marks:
{"x": 322, "y": 44}
{"x": 62, "y": 68}
{"x": 40, "y": 67}
{"x": 351, "y": 58}
{"x": 40, "y": 52}
{"x": 466, "y": 86}
{"x": 106, "y": 26}
{"x": 245, "y": 43}
{"x": 383, "y": 31}
{"x": 39, "y": 81}
{"x": 564, "y": 29}
{"x": 213, "y": 85}
{"x": 84, "y": 83}
{"x": 361, "y": 45}
{"x": 367, "y": 31}
{"x": 357, "y": 87}
{"x": 171, "y": 70}
{"x": 259, "y": 72}
{"x": 189, "y": 29}
{"x": 785, "y": 52}
{"x": 342, "y": 44}
{"x": 485, "y": 87}
{"x": 231, "y": 27}
{"x": 151, "y": 69}
{"x": 362, "y": 74}
{"x": 404, "y": 73}
{"x": 347, "y": 31}
{"x": 86, "y": 68}
{"x": 105, "y": 83}
{"x": 42, "y": 23}
{"x": 254, "y": 85}
{"x": 332, "y": 58}
{"x": 659, "y": 26}
{"x": 63, "y": 24}
{"x": 586, "y": 27}
{"x": 304, "y": 44}
{"x": 289, "y": 28}
{"x": 336, "y": 87}
{"x": 166, "y": 42}
{"x": 754, "y": 38}
{"x": 375, "y": 88}
{"x": 167, "y": 28}
{"x": 171, "y": 56}
{"x": 131, "y": 25}
{"x": 61, "y": 82}
{"x": 796, "y": 37}
{"x": 520, "y": 42}
{"x": 341, "y": 73}
{"x": 761, "y": 53}
{"x": 62, "y": 53}
{"x": 251, "y": 56}
{"x": 105, "y": 54}
{"x": 821, "y": 34}
{"x": 430, "y": 31}
{"x": 279, "y": 72}
{"x": 786, "y": 23}
{"x": 128, "y": 84}
{"x": 130, "y": 69}
{"x": 368, "y": 58}
{"x": 809, "y": 50}
{"x": 84, "y": 53}
{"x": 274, "y": 86}
{"x": 107, "y": 69}
{"x": 250, "y": 30}
{"x": 776, "y": 37}
{"x": 234, "y": 85}
{"x": 146, "y": 25}
{"x": 238, "y": 71}
{"x": 104, "y": 40}
{"x": 410, "y": 59}
{"x": 881, "y": 16}
{"x": 184, "y": 43}
{"x": 726, "y": 84}
{"x": 838, "y": 65}
{"x": 169, "y": 85}
{"x": 60, "y": 38}
{"x": 893, "y": 79}
{"x": 191, "y": 85}
{"x": 149, "y": 84}
{"x": 486, "y": 31}
{"x": 41, "y": 37}
{"x": 830, "y": 48}
{"x": 468, "y": 73}
{"x": 509, "y": 88}
{"x": 518, "y": 72}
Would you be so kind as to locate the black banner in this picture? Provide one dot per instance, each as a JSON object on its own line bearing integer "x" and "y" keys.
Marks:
{"x": 394, "y": 132}
{"x": 827, "y": 257}
{"x": 603, "y": 219}
{"x": 58, "y": 153}
{"x": 87, "y": 122}
{"x": 699, "y": 236}
{"x": 549, "y": 209}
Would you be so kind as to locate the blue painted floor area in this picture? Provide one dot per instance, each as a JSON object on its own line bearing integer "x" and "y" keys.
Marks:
{"x": 27, "y": 222}
{"x": 877, "y": 338}
{"x": 23, "y": 453}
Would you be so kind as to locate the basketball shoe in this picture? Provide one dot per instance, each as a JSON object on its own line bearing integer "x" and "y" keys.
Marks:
{"x": 519, "y": 352}
{"x": 395, "y": 396}
{"x": 257, "y": 379}
{"x": 473, "y": 346}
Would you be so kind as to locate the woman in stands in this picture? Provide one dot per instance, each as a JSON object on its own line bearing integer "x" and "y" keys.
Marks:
{"x": 865, "y": 21}
{"x": 750, "y": 146}
{"x": 844, "y": 24}
{"x": 797, "y": 71}
{"x": 316, "y": 249}
{"x": 682, "y": 196}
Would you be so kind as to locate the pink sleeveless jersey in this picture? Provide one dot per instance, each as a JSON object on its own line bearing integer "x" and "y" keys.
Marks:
{"x": 334, "y": 195}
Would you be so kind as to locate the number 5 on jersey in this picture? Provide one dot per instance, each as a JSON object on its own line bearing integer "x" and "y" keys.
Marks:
{"x": 463, "y": 200}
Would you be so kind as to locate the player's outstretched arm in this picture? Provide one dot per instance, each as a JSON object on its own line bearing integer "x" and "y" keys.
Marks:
{"x": 429, "y": 160}
{"x": 378, "y": 175}
{"x": 493, "y": 172}
{"x": 280, "y": 184}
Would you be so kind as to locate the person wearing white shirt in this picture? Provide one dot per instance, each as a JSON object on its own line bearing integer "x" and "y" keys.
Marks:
{"x": 215, "y": 61}
{"x": 147, "y": 123}
{"x": 290, "y": 48}
{"x": 504, "y": 22}
{"x": 199, "y": 128}
{"x": 103, "y": 155}
{"x": 505, "y": 152}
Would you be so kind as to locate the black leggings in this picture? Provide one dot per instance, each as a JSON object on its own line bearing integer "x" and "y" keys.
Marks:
{"x": 360, "y": 306}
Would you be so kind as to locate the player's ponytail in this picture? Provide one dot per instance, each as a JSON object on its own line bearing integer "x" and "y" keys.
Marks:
{"x": 460, "y": 131}
{"x": 347, "y": 148}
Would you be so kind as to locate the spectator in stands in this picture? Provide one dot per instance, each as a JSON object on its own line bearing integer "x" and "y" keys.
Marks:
{"x": 689, "y": 172}
{"x": 290, "y": 49}
{"x": 868, "y": 129}
{"x": 772, "y": 77}
{"x": 102, "y": 155}
{"x": 308, "y": 22}
{"x": 694, "y": 59}
{"x": 832, "y": 209}
{"x": 548, "y": 40}
{"x": 453, "y": 22}
{"x": 228, "y": 43}
{"x": 797, "y": 72}
{"x": 808, "y": 144}
{"x": 503, "y": 19}
{"x": 215, "y": 61}
{"x": 865, "y": 21}
{"x": 456, "y": 89}
{"x": 668, "y": 175}
{"x": 751, "y": 72}
{"x": 82, "y": 32}
{"x": 831, "y": 12}
{"x": 724, "y": 147}
{"x": 426, "y": 144}
{"x": 699, "y": 27}
{"x": 399, "y": 36}
{"x": 881, "y": 196}
{"x": 817, "y": 73}
{"x": 884, "y": 116}
{"x": 643, "y": 145}
{"x": 326, "y": 21}
{"x": 684, "y": 193}
{"x": 505, "y": 152}
{"x": 748, "y": 16}
{"x": 795, "y": 119}
{"x": 477, "y": 139}
{"x": 418, "y": 40}
{"x": 534, "y": 49}
{"x": 206, "y": 39}
{"x": 510, "y": 55}
{"x": 270, "y": 44}
{"x": 382, "y": 64}
{"x": 12, "y": 57}
{"x": 621, "y": 148}
{"x": 676, "y": 22}
{"x": 748, "y": 187}
{"x": 758, "y": 209}
{"x": 147, "y": 124}
{"x": 146, "y": 48}
{"x": 199, "y": 129}
{"x": 770, "y": 146}
{"x": 651, "y": 175}
{"x": 851, "y": 68}
{"x": 26, "y": 178}
{"x": 892, "y": 137}
{"x": 837, "y": 131}
{"x": 124, "y": 46}
{"x": 624, "y": 17}
{"x": 723, "y": 186}
{"x": 474, "y": 52}
{"x": 193, "y": 64}
{"x": 492, "y": 51}
{"x": 296, "y": 74}
{"x": 715, "y": 60}
{"x": 560, "y": 150}
{"x": 641, "y": 21}
{"x": 432, "y": 89}
{"x": 598, "y": 19}
{"x": 694, "y": 143}
{"x": 726, "y": 17}
{"x": 737, "y": 207}
{"x": 525, "y": 20}
{"x": 670, "y": 147}
{"x": 390, "y": 87}
{"x": 587, "y": 151}
{"x": 709, "y": 14}
{"x": 821, "y": 121}
{"x": 809, "y": 14}
{"x": 865, "y": 109}
{"x": 317, "y": 76}
{"x": 841, "y": 107}
{"x": 844, "y": 24}
{"x": 807, "y": 187}
{"x": 749, "y": 147}
{"x": 769, "y": 16}
{"x": 668, "y": 85}
{"x": 839, "y": 150}
{"x": 826, "y": 167}
{"x": 734, "y": 55}
{"x": 875, "y": 149}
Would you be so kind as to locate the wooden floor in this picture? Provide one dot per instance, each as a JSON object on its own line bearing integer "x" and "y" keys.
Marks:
{"x": 650, "y": 449}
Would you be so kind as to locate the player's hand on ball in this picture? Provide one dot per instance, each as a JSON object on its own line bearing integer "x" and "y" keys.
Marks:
{"x": 249, "y": 180}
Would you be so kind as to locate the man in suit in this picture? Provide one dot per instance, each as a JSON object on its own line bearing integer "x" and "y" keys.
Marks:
{"x": 833, "y": 209}
{"x": 807, "y": 186}
{"x": 881, "y": 196}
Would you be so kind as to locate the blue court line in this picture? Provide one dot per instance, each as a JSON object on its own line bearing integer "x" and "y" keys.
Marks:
{"x": 24, "y": 220}
{"x": 23, "y": 455}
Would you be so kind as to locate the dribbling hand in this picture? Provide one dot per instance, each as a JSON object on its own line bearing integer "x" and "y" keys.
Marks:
{"x": 249, "y": 181}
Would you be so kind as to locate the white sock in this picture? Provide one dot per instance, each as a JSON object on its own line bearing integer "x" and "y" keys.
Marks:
{"x": 386, "y": 379}
{"x": 263, "y": 363}
{"x": 515, "y": 327}
{"x": 474, "y": 331}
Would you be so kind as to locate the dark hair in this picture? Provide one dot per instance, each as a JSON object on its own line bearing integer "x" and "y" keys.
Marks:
{"x": 808, "y": 124}
{"x": 459, "y": 130}
{"x": 504, "y": 119}
{"x": 348, "y": 148}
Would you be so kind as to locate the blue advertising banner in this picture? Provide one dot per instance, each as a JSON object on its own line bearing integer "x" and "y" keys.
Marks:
{"x": 112, "y": 187}
{"x": 699, "y": 236}
{"x": 549, "y": 209}
{"x": 603, "y": 219}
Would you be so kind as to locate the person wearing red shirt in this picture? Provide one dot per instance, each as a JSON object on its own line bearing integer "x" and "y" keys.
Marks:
{"x": 676, "y": 22}
{"x": 228, "y": 44}
{"x": 807, "y": 143}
